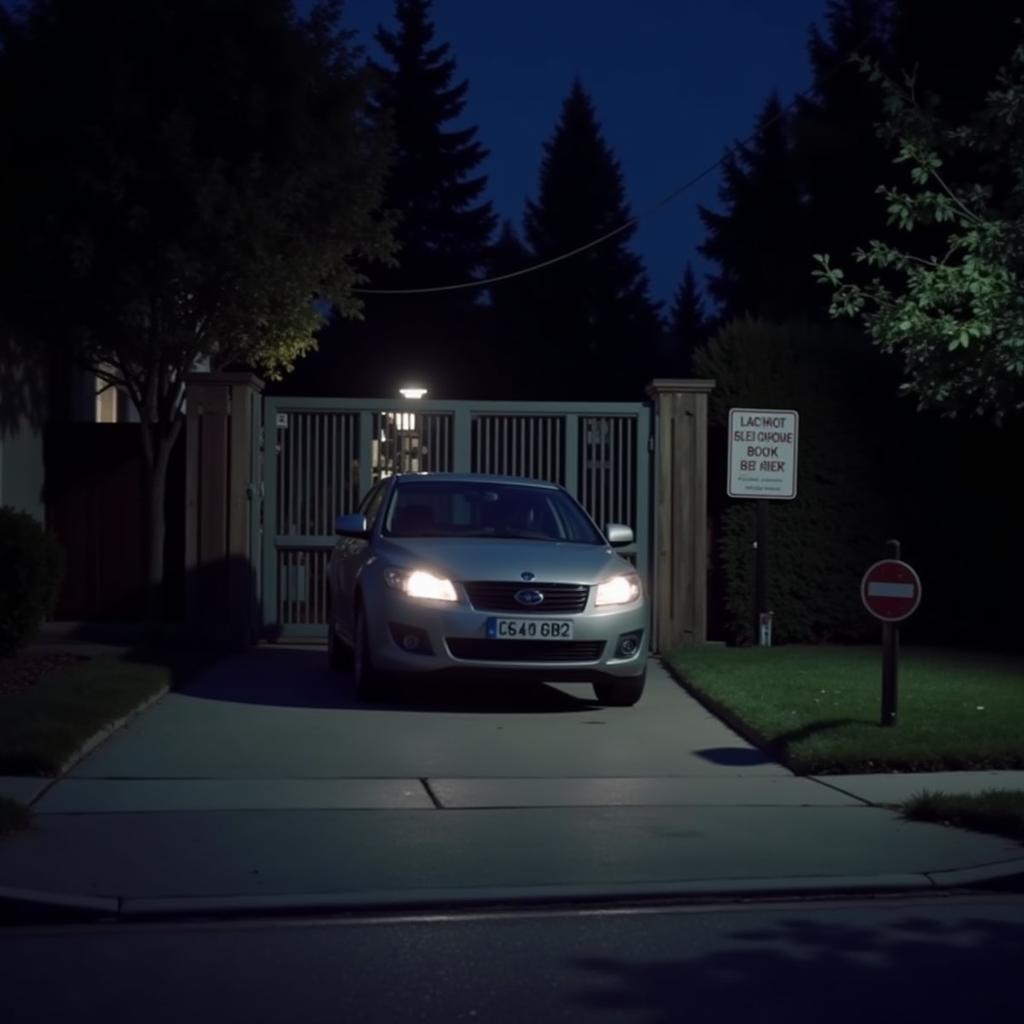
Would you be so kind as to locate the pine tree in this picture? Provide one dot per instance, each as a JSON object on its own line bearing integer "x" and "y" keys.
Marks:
{"x": 759, "y": 240}
{"x": 838, "y": 150}
{"x": 504, "y": 373}
{"x": 688, "y": 327}
{"x": 594, "y": 327}
{"x": 443, "y": 232}
{"x": 445, "y": 227}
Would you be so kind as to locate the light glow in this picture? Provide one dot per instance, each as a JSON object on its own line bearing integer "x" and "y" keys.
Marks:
{"x": 412, "y": 392}
{"x": 423, "y": 585}
{"x": 624, "y": 589}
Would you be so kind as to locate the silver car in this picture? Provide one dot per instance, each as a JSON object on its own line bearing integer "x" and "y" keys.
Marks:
{"x": 488, "y": 575}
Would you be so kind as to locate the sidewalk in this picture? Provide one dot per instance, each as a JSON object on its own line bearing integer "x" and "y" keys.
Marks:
{"x": 333, "y": 815}
{"x": 224, "y": 846}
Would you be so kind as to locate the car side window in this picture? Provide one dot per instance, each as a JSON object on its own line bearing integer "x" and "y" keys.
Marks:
{"x": 370, "y": 505}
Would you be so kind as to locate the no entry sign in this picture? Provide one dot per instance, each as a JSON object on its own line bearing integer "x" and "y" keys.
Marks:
{"x": 891, "y": 590}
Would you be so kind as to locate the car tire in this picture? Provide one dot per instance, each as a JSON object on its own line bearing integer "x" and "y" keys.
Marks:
{"x": 620, "y": 692}
{"x": 368, "y": 679}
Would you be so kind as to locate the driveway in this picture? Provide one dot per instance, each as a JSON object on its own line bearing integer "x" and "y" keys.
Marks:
{"x": 267, "y": 785}
{"x": 281, "y": 714}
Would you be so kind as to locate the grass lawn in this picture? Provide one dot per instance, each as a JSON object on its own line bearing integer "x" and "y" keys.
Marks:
{"x": 995, "y": 810}
{"x": 817, "y": 708}
{"x": 41, "y": 727}
{"x": 13, "y": 816}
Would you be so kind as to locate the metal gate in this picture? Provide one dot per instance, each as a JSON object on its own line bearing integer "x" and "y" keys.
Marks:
{"x": 321, "y": 455}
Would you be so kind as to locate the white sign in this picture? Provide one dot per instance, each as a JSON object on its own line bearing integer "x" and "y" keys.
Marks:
{"x": 762, "y": 453}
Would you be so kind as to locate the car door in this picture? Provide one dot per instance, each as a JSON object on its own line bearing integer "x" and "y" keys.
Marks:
{"x": 350, "y": 554}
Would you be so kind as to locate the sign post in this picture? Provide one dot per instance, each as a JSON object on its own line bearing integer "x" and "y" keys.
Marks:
{"x": 762, "y": 465}
{"x": 891, "y": 592}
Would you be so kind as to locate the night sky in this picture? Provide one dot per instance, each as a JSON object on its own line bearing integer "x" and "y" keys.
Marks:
{"x": 674, "y": 82}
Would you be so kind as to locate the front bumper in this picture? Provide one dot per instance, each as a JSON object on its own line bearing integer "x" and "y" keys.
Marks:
{"x": 452, "y": 639}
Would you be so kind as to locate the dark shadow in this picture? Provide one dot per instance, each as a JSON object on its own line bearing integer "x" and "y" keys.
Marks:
{"x": 769, "y": 750}
{"x": 735, "y": 757}
{"x": 300, "y": 678}
{"x": 862, "y": 965}
{"x": 95, "y": 507}
{"x": 23, "y": 383}
{"x": 130, "y": 641}
{"x": 784, "y": 740}
{"x": 225, "y": 620}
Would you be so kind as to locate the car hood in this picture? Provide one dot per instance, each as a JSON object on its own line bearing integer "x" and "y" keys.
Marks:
{"x": 502, "y": 560}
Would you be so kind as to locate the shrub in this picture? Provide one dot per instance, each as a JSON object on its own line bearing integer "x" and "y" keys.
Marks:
{"x": 820, "y": 543}
{"x": 30, "y": 573}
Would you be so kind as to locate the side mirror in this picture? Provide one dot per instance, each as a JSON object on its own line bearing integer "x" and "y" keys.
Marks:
{"x": 352, "y": 526}
{"x": 618, "y": 535}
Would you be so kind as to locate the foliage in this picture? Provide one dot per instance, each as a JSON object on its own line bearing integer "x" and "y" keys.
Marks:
{"x": 195, "y": 182}
{"x": 29, "y": 581}
{"x": 1000, "y": 811}
{"x": 820, "y": 542}
{"x": 512, "y": 324}
{"x": 442, "y": 230}
{"x": 838, "y": 154}
{"x": 688, "y": 327}
{"x": 950, "y": 302}
{"x": 188, "y": 179}
{"x": 584, "y": 312}
{"x": 758, "y": 241}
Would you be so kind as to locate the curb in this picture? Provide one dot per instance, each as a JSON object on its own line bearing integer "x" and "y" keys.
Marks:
{"x": 1000, "y": 875}
{"x": 46, "y": 782}
{"x": 105, "y": 733}
{"x": 31, "y": 905}
{"x": 519, "y": 897}
{"x": 729, "y": 718}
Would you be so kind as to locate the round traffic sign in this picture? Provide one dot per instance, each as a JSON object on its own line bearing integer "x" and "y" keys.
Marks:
{"x": 891, "y": 590}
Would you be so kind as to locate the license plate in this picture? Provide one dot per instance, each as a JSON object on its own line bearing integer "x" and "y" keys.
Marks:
{"x": 529, "y": 629}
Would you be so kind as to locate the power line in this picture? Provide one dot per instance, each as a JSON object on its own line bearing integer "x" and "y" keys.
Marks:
{"x": 633, "y": 221}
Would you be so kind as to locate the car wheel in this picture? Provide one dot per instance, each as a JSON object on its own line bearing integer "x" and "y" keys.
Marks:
{"x": 368, "y": 679}
{"x": 620, "y": 693}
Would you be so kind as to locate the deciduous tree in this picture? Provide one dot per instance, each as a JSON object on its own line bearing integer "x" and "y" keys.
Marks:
{"x": 182, "y": 185}
{"x": 949, "y": 302}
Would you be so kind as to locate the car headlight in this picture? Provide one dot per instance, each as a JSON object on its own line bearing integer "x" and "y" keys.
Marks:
{"x": 421, "y": 584}
{"x": 624, "y": 589}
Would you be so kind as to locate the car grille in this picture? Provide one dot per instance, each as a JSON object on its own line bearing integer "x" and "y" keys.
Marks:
{"x": 559, "y": 598}
{"x": 472, "y": 649}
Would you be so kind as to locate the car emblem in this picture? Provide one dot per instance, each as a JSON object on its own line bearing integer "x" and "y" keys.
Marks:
{"x": 527, "y": 576}
{"x": 529, "y": 597}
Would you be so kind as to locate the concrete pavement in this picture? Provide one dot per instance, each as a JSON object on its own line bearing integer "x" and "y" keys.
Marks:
{"x": 266, "y": 785}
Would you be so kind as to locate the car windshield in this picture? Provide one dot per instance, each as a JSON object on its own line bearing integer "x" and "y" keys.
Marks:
{"x": 482, "y": 509}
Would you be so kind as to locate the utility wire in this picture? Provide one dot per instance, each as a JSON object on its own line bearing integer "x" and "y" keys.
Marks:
{"x": 633, "y": 221}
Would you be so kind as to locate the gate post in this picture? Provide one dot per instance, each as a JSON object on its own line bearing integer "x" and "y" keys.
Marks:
{"x": 680, "y": 511}
{"x": 222, "y": 548}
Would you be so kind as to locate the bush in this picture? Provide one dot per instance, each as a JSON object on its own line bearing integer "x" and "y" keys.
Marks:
{"x": 816, "y": 557}
{"x": 820, "y": 543}
{"x": 30, "y": 573}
